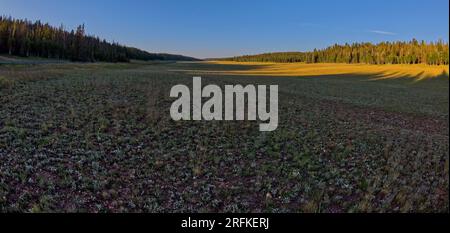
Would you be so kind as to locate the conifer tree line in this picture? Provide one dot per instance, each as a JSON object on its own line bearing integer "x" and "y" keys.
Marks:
{"x": 411, "y": 52}
{"x": 26, "y": 38}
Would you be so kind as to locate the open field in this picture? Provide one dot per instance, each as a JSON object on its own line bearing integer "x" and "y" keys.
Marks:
{"x": 13, "y": 60}
{"x": 99, "y": 138}
{"x": 417, "y": 72}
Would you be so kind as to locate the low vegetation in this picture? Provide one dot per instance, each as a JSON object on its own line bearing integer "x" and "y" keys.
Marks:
{"x": 99, "y": 138}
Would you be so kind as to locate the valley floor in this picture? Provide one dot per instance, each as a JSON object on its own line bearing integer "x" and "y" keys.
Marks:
{"x": 99, "y": 138}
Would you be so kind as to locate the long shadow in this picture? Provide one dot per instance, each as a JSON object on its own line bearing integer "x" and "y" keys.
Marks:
{"x": 379, "y": 77}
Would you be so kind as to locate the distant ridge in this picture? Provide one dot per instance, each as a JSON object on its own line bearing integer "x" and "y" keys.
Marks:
{"x": 36, "y": 39}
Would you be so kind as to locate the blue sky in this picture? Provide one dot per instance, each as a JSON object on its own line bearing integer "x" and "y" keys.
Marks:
{"x": 207, "y": 28}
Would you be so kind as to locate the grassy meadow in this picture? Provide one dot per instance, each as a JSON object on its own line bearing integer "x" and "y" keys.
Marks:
{"x": 98, "y": 137}
{"x": 417, "y": 71}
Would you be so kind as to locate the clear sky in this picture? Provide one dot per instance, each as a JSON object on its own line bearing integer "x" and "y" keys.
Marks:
{"x": 218, "y": 28}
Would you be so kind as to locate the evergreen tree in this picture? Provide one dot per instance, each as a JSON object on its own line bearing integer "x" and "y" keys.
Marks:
{"x": 412, "y": 52}
{"x": 26, "y": 38}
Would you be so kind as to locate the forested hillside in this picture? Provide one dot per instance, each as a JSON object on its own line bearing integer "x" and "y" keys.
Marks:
{"x": 26, "y": 38}
{"x": 412, "y": 52}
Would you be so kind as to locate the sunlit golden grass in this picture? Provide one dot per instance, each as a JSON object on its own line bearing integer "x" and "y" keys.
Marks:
{"x": 418, "y": 72}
